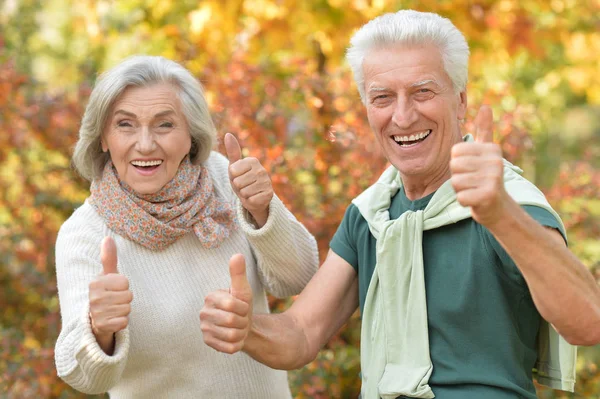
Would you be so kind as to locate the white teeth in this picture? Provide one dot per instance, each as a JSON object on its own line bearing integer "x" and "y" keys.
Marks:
{"x": 412, "y": 137}
{"x": 146, "y": 163}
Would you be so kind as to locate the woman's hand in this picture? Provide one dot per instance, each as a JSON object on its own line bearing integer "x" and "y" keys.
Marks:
{"x": 110, "y": 298}
{"x": 249, "y": 180}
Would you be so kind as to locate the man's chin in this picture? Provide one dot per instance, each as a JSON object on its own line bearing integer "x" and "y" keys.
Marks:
{"x": 409, "y": 168}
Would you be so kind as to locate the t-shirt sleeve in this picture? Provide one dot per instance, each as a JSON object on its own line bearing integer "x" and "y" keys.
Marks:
{"x": 343, "y": 242}
{"x": 543, "y": 217}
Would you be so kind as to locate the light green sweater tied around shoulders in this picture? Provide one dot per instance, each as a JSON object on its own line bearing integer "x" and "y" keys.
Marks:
{"x": 395, "y": 357}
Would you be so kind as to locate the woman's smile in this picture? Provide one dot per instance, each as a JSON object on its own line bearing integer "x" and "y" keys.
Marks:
{"x": 147, "y": 167}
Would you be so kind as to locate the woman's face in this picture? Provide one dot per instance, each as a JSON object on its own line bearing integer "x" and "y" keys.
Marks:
{"x": 147, "y": 136}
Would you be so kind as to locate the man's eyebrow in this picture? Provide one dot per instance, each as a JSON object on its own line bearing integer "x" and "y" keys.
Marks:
{"x": 376, "y": 88}
{"x": 416, "y": 84}
{"x": 423, "y": 83}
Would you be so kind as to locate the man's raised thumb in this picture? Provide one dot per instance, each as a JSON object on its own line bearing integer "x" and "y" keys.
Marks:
{"x": 108, "y": 255}
{"x": 240, "y": 288}
{"x": 484, "y": 125}
{"x": 232, "y": 147}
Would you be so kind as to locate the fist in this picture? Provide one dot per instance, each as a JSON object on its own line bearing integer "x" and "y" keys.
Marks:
{"x": 109, "y": 294}
{"x": 478, "y": 172}
{"x": 226, "y": 317}
{"x": 249, "y": 180}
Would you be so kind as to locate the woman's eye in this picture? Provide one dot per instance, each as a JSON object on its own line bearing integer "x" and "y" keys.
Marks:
{"x": 166, "y": 124}
{"x": 124, "y": 124}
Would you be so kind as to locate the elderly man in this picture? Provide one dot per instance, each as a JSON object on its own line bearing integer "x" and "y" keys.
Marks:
{"x": 458, "y": 263}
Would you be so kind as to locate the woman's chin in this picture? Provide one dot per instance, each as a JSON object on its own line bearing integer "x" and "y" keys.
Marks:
{"x": 146, "y": 188}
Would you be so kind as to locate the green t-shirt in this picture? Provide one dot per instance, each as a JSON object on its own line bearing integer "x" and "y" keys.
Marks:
{"x": 482, "y": 320}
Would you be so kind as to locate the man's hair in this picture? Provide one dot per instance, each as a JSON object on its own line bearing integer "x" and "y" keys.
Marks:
{"x": 141, "y": 71}
{"x": 409, "y": 27}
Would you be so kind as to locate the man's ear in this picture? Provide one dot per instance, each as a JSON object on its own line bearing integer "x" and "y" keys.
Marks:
{"x": 461, "y": 110}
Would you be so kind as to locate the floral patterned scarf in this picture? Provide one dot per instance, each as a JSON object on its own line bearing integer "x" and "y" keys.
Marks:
{"x": 186, "y": 203}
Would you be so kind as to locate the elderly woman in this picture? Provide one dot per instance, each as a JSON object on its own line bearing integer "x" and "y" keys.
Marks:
{"x": 170, "y": 206}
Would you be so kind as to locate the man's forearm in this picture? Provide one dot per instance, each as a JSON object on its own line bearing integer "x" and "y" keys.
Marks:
{"x": 277, "y": 341}
{"x": 564, "y": 291}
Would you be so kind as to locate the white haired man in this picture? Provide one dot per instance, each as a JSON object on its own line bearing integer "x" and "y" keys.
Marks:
{"x": 458, "y": 264}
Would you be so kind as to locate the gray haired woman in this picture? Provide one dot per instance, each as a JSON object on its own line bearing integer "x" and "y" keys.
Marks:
{"x": 176, "y": 211}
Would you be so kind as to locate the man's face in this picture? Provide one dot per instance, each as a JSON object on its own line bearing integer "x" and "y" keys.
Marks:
{"x": 413, "y": 110}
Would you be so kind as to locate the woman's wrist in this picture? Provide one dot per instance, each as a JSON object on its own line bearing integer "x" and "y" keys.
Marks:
{"x": 106, "y": 341}
{"x": 260, "y": 218}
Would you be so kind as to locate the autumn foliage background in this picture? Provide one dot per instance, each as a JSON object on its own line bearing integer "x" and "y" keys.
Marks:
{"x": 274, "y": 75}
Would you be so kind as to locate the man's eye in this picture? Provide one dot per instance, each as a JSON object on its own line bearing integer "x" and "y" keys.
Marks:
{"x": 424, "y": 91}
{"x": 380, "y": 97}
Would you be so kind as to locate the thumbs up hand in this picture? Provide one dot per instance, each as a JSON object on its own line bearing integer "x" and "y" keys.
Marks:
{"x": 249, "y": 180}
{"x": 478, "y": 172}
{"x": 226, "y": 317}
{"x": 110, "y": 298}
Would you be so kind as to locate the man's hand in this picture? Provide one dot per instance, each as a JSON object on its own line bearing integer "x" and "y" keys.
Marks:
{"x": 110, "y": 298}
{"x": 226, "y": 317}
{"x": 249, "y": 180}
{"x": 478, "y": 172}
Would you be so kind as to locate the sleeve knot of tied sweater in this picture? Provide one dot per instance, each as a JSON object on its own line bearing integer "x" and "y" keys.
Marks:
{"x": 161, "y": 353}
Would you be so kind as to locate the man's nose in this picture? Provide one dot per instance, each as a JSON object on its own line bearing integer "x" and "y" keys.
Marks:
{"x": 405, "y": 113}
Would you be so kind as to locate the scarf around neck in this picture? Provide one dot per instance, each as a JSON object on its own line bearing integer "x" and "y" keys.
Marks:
{"x": 395, "y": 358}
{"x": 187, "y": 203}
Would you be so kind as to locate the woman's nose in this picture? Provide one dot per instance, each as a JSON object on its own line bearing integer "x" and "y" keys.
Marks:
{"x": 145, "y": 141}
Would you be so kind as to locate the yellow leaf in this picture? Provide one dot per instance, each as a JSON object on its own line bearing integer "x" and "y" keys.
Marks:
{"x": 335, "y": 187}
{"x": 199, "y": 19}
{"x": 31, "y": 343}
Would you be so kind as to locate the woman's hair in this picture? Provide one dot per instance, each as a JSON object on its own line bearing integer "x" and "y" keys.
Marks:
{"x": 141, "y": 71}
{"x": 409, "y": 27}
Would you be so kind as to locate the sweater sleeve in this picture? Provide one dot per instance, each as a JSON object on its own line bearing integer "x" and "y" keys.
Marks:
{"x": 286, "y": 253}
{"x": 80, "y": 361}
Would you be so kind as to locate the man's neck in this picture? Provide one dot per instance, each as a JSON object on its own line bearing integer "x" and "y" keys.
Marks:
{"x": 417, "y": 187}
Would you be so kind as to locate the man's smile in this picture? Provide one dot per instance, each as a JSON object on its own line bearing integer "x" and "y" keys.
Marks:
{"x": 412, "y": 139}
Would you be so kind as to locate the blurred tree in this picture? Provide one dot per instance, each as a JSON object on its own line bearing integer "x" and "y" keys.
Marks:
{"x": 274, "y": 75}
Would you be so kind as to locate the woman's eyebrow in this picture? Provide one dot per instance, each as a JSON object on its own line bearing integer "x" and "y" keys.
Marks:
{"x": 126, "y": 113}
{"x": 132, "y": 115}
{"x": 164, "y": 113}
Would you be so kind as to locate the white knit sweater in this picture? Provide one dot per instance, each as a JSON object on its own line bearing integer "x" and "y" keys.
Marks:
{"x": 161, "y": 354}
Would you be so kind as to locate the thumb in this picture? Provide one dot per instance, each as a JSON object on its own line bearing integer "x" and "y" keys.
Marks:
{"x": 240, "y": 287}
{"x": 232, "y": 147}
{"x": 108, "y": 255}
{"x": 484, "y": 125}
